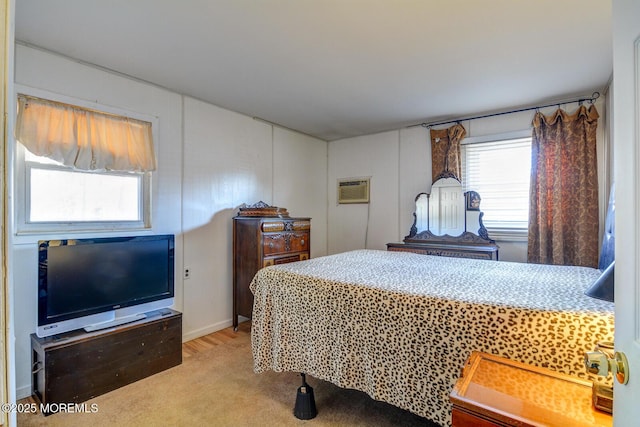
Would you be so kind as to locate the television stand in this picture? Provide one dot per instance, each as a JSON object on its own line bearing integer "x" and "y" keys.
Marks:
{"x": 76, "y": 366}
{"x": 115, "y": 322}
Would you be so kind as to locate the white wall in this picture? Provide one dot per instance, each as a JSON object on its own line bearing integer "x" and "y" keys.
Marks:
{"x": 415, "y": 175}
{"x": 400, "y": 165}
{"x": 210, "y": 160}
{"x": 227, "y": 159}
{"x": 231, "y": 159}
{"x": 356, "y": 226}
{"x": 300, "y": 181}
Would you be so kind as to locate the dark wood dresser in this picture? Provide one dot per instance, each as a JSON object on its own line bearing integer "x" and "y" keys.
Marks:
{"x": 260, "y": 242}
{"x": 457, "y": 249}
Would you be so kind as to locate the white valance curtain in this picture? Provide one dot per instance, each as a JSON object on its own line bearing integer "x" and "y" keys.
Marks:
{"x": 84, "y": 139}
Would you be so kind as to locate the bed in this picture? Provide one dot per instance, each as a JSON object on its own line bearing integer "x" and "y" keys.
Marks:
{"x": 399, "y": 326}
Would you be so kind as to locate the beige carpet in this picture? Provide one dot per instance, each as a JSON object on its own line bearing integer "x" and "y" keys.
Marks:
{"x": 217, "y": 387}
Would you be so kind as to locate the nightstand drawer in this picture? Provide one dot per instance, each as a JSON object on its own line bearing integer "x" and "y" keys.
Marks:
{"x": 462, "y": 419}
{"x": 494, "y": 391}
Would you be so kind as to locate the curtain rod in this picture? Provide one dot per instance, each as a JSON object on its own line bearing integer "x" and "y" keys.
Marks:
{"x": 80, "y": 107}
{"x": 593, "y": 97}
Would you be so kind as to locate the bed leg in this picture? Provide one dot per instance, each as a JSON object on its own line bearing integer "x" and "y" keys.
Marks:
{"x": 305, "y": 408}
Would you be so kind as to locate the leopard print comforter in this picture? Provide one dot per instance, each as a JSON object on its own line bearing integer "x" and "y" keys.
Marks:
{"x": 400, "y": 326}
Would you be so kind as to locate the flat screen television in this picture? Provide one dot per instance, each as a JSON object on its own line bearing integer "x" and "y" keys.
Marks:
{"x": 102, "y": 282}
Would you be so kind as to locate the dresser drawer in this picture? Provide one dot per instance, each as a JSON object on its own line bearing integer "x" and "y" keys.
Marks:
{"x": 487, "y": 251}
{"x": 297, "y": 225}
{"x": 285, "y": 259}
{"x": 285, "y": 242}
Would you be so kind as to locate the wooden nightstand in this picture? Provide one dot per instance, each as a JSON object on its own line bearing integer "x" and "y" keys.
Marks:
{"x": 494, "y": 391}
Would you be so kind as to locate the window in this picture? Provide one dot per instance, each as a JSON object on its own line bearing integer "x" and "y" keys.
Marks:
{"x": 59, "y": 194}
{"x": 91, "y": 169}
{"x": 499, "y": 170}
{"x": 59, "y": 197}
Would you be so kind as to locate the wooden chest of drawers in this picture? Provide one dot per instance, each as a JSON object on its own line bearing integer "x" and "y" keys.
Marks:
{"x": 260, "y": 242}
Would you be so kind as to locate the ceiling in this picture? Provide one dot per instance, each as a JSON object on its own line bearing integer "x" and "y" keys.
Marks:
{"x": 339, "y": 68}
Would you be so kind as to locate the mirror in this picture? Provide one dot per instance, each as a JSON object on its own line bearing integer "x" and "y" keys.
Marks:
{"x": 446, "y": 208}
{"x": 447, "y": 211}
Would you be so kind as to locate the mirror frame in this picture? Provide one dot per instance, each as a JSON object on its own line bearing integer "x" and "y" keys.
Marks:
{"x": 472, "y": 201}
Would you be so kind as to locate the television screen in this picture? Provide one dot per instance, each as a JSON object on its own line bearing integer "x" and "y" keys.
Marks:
{"x": 83, "y": 277}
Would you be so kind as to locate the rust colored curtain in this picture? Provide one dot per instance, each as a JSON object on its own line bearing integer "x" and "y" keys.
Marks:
{"x": 445, "y": 152}
{"x": 563, "y": 211}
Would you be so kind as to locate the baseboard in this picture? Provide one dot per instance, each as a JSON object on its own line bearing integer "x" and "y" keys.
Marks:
{"x": 191, "y": 335}
{"x": 22, "y": 392}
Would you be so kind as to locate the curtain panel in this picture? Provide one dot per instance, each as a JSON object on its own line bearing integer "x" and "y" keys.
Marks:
{"x": 84, "y": 139}
{"x": 445, "y": 151}
{"x": 563, "y": 210}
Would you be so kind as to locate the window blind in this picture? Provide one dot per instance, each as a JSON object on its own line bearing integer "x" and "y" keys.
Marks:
{"x": 500, "y": 172}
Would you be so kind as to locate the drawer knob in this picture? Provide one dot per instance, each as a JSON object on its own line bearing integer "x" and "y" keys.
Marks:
{"x": 302, "y": 242}
{"x": 270, "y": 244}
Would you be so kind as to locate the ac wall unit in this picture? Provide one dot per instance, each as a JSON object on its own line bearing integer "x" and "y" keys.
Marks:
{"x": 353, "y": 190}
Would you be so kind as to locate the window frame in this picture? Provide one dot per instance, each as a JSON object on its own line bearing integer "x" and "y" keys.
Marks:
{"x": 516, "y": 234}
{"x": 22, "y": 180}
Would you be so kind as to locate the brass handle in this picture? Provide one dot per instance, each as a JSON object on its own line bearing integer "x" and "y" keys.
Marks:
{"x": 600, "y": 363}
{"x": 596, "y": 362}
{"x": 621, "y": 367}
